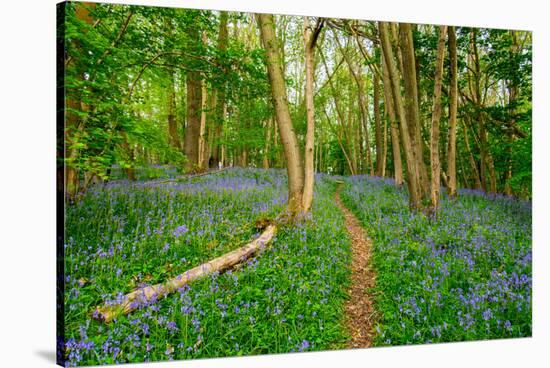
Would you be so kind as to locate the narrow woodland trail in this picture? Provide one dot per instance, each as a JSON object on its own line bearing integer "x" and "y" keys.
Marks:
{"x": 359, "y": 309}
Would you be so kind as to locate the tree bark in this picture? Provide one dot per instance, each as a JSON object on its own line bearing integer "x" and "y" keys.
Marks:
{"x": 513, "y": 92}
{"x": 411, "y": 103}
{"x": 377, "y": 126}
{"x": 141, "y": 296}
{"x": 363, "y": 105}
{"x": 291, "y": 147}
{"x": 453, "y": 108}
{"x": 473, "y": 164}
{"x": 436, "y": 116}
{"x": 309, "y": 174}
{"x": 413, "y": 176}
{"x": 394, "y": 129}
{"x": 341, "y": 119}
{"x": 202, "y": 129}
{"x": 194, "y": 101}
{"x": 267, "y": 143}
{"x": 172, "y": 124}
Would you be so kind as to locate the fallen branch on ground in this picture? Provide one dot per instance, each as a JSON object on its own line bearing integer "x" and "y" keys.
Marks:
{"x": 143, "y": 296}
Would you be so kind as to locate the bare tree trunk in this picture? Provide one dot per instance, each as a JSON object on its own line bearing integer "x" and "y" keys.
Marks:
{"x": 453, "y": 107}
{"x": 385, "y": 146}
{"x": 172, "y": 124}
{"x": 220, "y": 96}
{"x": 377, "y": 125}
{"x": 357, "y": 75}
{"x": 412, "y": 104}
{"x": 129, "y": 151}
{"x": 413, "y": 179}
{"x": 339, "y": 139}
{"x": 202, "y": 129}
{"x": 309, "y": 174}
{"x": 194, "y": 101}
{"x": 487, "y": 170}
{"x": 513, "y": 92}
{"x": 341, "y": 119}
{"x": 473, "y": 165}
{"x": 394, "y": 129}
{"x": 436, "y": 116}
{"x": 267, "y": 143}
{"x": 291, "y": 147}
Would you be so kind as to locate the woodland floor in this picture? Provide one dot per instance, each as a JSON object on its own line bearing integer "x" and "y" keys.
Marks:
{"x": 359, "y": 308}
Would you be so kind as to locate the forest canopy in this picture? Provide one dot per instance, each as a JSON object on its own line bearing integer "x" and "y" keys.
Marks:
{"x": 190, "y": 89}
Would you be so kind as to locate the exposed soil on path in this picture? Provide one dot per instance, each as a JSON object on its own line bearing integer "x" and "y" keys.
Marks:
{"x": 359, "y": 308}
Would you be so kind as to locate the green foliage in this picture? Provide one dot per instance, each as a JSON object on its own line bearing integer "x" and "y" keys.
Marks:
{"x": 464, "y": 275}
{"x": 121, "y": 64}
{"x": 288, "y": 299}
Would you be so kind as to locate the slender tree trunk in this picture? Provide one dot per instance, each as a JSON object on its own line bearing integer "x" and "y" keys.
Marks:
{"x": 194, "y": 102}
{"x": 453, "y": 107}
{"x": 394, "y": 129}
{"x": 340, "y": 143}
{"x": 291, "y": 147}
{"x": 473, "y": 164}
{"x": 513, "y": 92}
{"x": 357, "y": 75}
{"x": 436, "y": 116}
{"x": 172, "y": 124}
{"x": 413, "y": 180}
{"x": 377, "y": 125}
{"x": 350, "y": 133}
{"x": 341, "y": 119}
{"x": 267, "y": 143}
{"x": 412, "y": 104}
{"x": 385, "y": 146}
{"x": 202, "y": 129}
{"x": 220, "y": 95}
{"x": 129, "y": 151}
{"x": 487, "y": 170}
{"x": 309, "y": 174}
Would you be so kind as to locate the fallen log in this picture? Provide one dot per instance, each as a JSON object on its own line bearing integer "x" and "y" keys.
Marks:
{"x": 143, "y": 296}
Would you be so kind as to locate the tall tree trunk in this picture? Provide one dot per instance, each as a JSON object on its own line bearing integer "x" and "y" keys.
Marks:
{"x": 129, "y": 152}
{"x": 394, "y": 129}
{"x": 309, "y": 174}
{"x": 411, "y": 103}
{"x": 453, "y": 107}
{"x": 220, "y": 95}
{"x": 513, "y": 92}
{"x": 436, "y": 116}
{"x": 486, "y": 162}
{"x": 291, "y": 147}
{"x": 377, "y": 125}
{"x": 202, "y": 129}
{"x": 385, "y": 146}
{"x": 267, "y": 143}
{"x": 194, "y": 102}
{"x": 172, "y": 123}
{"x": 413, "y": 179}
{"x": 357, "y": 75}
{"x": 341, "y": 119}
{"x": 473, "y": 164}
{"x": 341, "y": 144}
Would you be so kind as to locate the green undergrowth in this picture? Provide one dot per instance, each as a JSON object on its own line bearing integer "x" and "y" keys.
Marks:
{"x": 290, "y": 298}
{"x": 465, "y": 275}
